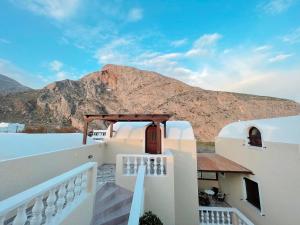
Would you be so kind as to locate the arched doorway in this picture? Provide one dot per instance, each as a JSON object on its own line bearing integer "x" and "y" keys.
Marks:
{"x": 153, "y": 139}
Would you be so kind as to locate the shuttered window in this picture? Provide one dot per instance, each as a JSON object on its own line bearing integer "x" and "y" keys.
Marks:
{"x": 252, "y": 193}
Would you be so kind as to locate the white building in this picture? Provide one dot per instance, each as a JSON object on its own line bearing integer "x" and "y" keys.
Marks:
{"x": 270, "y": 148}
{"x": 11, "y": 127}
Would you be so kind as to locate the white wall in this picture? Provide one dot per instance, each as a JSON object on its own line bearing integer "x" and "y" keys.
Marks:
{"x": 276, "y": 169}
{"x": 23, "y": 173}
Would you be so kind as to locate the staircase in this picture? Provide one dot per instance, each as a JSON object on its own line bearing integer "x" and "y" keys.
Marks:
{"x": 112, "y": 205}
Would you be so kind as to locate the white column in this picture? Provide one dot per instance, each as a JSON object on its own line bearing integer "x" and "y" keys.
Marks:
{"x": 128, "y": 166}
{"x": 21, "y": 217}
{"x": 70, "y": 191}
{"x": 37, "y": 211}
{"x": 77, "y": 188}
{"x": 135, "y": 165}
{"x": 155, "y": 165}
{"x": 148, "y": 166}
{"x": 61, "y": 198}
{"x": 161, "y": 166}
{"x": 83, "y": 182}
{"x": 50, "y": 209}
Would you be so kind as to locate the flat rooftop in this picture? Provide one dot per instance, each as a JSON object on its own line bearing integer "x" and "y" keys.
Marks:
{"x": 211, "y": 162}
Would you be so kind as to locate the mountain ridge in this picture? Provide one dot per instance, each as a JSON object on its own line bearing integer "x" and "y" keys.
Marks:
{"x": 123, "y": 89}
{"x": 9, "y": 85}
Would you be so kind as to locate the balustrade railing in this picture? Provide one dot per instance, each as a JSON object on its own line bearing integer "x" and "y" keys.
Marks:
{"x": 47, "y": 202}
{"x": 222, "y": 216}
{"x": 155, "y": 165}
{"x": 137, "y": 206}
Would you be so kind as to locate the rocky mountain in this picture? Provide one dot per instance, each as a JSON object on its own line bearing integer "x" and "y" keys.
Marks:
{"x": 8, "y": 85}
{"x": 121, "y": 89}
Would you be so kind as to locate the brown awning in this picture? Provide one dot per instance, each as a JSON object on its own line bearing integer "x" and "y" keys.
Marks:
{"x": 211, "y": 162}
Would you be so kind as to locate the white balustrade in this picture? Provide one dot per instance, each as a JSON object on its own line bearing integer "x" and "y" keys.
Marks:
{"x": 47, "y": 201}
{"x": 155, "y": 165}
{"x": 222, "y": 216}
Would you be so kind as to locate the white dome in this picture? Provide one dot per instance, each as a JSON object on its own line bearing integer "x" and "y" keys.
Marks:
{"x": 281, "y": 129}
{"x": 136, "y": 130}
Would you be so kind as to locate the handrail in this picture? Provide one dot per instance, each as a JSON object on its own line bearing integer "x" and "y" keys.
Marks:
{"x": 73, "y": 182}
{"x": 137, "y": 206}
{"x": 242, "y": 216}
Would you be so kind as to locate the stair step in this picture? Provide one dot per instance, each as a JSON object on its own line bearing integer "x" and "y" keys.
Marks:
{"x": 116, "y": 204}
{"x": 112, "y": 205}
{"x": 116, "y": 218}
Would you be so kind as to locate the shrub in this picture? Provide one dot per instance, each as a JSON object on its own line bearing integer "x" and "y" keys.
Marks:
{"x": 150, "y": 219}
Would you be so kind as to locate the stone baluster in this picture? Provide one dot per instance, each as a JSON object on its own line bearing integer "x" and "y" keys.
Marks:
{"x": 21, "y": 217}
{"x": 50, "y": 209}
{"x": 148, "y": 165}
{"x": 70, "y": 191}
{"x": 155, "y": 166}
{"x": 61, "y": 198}
{"x": 37, "y": 211}
{"x": 83, "y": 182}
{"x": 135, "y": 166}
{"x": 207, "y": 217}
{"x": 223, "y": 217}
{"x": 77, "y": 189}
{"x": 128, "y": 166}
{"x": 228, "y": 218}
{"x": 161, "y": 166}
{"x": 217, "y": 217}
{"x": 201, "y": 217}
{"x": 213, "y": 217}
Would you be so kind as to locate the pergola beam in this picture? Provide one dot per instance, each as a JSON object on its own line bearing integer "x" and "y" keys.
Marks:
{"x": 113, "y": 118}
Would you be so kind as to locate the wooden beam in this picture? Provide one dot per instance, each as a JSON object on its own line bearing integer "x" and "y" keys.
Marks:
{"x": 165, "y": 129}
{"x": 85, "y": 129}
{"x": 158, "y": 138}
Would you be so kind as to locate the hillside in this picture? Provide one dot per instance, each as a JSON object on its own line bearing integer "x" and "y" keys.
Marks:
{"x": 8, "y": 85}
{"x": 121, "y": 89}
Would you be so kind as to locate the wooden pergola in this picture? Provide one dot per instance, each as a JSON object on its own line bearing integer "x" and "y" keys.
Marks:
{"x": 113, "y": 118}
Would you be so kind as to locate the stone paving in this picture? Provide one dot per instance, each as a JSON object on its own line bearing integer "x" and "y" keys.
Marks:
{"x": 106, "y": 173}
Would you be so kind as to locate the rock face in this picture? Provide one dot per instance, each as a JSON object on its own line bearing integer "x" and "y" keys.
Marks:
{"x": 8, "y": 85}
{"x": 121, "y": 89}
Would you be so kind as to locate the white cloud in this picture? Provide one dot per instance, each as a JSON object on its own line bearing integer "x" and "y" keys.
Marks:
{"x": 56, "y": 65}
{"x": 203, "y": 45}
{"x": 178, "y": 43}
{"x": 135, "y": 14}
{"x": 244, "y": 69}
{"x": 293, "y": 37}
{"x": 276, "y": 6}
{"x": 262, "y": 48}
{"x": 4, "y": 41}
{"x": 279, "y": 57}
{"x": 56, "y": 9}
{"x": 60, "y": 73}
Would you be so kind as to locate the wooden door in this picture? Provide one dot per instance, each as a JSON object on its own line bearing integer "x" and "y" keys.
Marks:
{"x": 153, "y": 139}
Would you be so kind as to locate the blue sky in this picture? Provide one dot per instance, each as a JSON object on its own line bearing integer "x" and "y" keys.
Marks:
{"x": 241, "y": 46}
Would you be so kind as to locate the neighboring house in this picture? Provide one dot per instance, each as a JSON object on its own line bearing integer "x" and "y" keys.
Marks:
{"x": 270, "y": 149}
{"x": 11, "y": 127}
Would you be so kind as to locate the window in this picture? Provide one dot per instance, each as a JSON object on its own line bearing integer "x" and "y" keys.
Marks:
{"x": 255, "y": 137}
{"x": 252, "y": 193}
{"x": 207, "y": 175}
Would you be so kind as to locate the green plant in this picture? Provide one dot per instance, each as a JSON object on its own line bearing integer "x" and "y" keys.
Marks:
{"x": 150, "y": 219}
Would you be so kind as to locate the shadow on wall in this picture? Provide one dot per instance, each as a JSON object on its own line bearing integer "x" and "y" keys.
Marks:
{"x": 205, "y": 147}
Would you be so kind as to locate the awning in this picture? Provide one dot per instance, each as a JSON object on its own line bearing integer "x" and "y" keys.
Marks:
{"x": 211, "y": 162}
